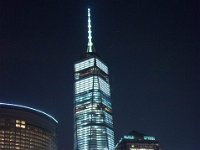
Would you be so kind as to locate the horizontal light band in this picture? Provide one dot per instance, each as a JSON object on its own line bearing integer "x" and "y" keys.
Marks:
{"x": 30, "y": 108}
{"x": 84, "y": 64}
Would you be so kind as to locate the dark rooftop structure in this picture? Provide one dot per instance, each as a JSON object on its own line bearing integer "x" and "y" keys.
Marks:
{"x": 137, "y": 141}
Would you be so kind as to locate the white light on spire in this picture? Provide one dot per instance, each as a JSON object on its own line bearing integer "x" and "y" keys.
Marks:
{"x": 89, "y": 33}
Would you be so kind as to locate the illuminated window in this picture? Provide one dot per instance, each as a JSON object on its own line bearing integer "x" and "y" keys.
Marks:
{"x": 20, "y": 124}
{"x": 130, "y": 137}
{"x": 83, "y": 65}
{"x": 103, "y": 67}
{"x": 149, "y": 138}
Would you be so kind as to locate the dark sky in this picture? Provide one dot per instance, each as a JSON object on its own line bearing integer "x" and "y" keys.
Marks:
{"x": 150, "y": 46}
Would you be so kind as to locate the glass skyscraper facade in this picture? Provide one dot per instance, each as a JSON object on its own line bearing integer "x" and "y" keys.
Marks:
{"x": 93, "y": 122}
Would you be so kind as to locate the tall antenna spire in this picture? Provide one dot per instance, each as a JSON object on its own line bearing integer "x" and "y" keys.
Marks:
{"x": 90, "y": 44}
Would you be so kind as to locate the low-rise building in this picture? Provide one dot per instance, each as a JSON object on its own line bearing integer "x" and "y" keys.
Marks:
{"x": 137, "y": 141}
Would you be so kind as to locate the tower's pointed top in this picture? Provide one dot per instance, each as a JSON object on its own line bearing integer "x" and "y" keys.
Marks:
{"x": 90, "y": 44}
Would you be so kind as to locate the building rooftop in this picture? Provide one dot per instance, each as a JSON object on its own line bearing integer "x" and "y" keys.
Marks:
{"x": 26, "y": 108}
{"x": 137, "y": 137}
{"x": 134, "y": 135}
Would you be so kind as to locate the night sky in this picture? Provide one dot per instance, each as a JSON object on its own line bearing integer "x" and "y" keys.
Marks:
{"x": 150, "y": 46}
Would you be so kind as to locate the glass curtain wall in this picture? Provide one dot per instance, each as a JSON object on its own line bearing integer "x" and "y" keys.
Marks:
{"x": 93, "y": 122}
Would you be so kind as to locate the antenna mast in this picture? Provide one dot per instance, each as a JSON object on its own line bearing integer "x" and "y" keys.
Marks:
{"x": 90, "y": 44}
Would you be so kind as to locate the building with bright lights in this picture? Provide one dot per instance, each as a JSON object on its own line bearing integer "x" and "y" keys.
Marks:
{"x": 93, "y": 121}
{"x": 137, "y": 141}
{"x": 26, "y": 128}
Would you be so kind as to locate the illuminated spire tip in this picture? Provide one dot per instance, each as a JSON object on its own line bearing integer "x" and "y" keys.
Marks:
{"x": 90, "y": 44}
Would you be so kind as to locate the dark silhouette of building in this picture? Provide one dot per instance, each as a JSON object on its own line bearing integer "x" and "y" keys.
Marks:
{"x": 93, "y": 122}
{"x": 137, "y": 141}
{"x": 26, "y": 128}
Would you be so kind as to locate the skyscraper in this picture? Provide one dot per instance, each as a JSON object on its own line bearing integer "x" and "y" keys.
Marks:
{"x": 93, "y": 122}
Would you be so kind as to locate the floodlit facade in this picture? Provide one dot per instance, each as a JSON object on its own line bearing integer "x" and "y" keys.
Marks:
{"x": 93, "y": 122}
{"x": 137, "y": 141}
{"x": 26, "y": 128}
